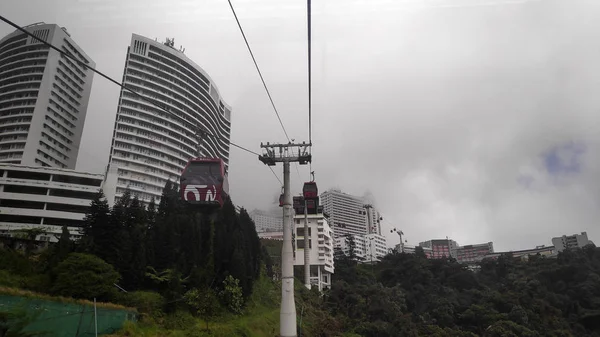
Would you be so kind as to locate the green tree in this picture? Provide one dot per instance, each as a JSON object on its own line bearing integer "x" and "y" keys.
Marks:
{"x": 204, "y": 303}
{"x": 64, "y": 246}
{"x": 420, "y": 252}
{"x": 133, "y": 245}
{"x": 85, "y": 276}
{"x": 231, "y": 295}
{"x": 30, "y": 235}
{"x": 97, "y": 233}
{"x": 351, "y": 244}
{"x": 150, "y": 232}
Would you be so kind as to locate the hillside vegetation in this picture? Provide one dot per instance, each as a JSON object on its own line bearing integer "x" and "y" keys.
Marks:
{"x": 188, "y": 275}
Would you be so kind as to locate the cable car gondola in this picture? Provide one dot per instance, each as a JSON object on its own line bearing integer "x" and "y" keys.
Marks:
{"x": 204, "y": 182}
{"x": 310, "y": 193}
{"x": 310, "y": 190}
{"x": 281, "y": 198}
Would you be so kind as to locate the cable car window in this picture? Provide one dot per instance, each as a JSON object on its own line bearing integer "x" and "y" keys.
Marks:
{"x": 202, "y": 173}
{"x": 204, "y": 169}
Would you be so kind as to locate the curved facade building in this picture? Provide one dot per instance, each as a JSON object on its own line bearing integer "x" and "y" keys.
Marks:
{"x": 43, "y": 98}
{"x": 151, "y": 146}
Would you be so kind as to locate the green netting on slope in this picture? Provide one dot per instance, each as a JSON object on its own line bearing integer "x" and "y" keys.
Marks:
{"x": 66, "y": 319}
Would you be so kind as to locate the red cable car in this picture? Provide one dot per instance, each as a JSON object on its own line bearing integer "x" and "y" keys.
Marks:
{"x": 281, "y": 198}
{"x": 310, "y": 194}
{"x": 310, "y": 190}
{"x": 204, "y": 182}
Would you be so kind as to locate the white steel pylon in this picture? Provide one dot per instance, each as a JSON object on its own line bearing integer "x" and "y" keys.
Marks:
{"x": 284, "y": 153}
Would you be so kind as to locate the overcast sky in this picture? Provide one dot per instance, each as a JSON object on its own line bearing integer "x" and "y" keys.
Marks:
{"x": 472, "y": 119}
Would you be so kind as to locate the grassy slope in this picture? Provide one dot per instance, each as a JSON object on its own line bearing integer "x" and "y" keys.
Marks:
{"x": 10, "y": 291}
{"x": 261, "y": 318}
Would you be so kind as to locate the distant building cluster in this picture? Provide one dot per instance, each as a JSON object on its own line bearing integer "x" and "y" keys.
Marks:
{"x": 475, "y": 253}
{"x": 347, "y": 215}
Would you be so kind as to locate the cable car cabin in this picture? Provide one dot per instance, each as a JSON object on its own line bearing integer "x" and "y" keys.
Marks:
{"x": 204, "y": 182}
{"x": 310, "y": 190}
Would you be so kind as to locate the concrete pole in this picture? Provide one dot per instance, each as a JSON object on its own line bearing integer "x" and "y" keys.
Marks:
{"x": 288, "y": 306}
{"x": 95, "y": 318}
{"x": 401, "y": 243}
{"x": 306, "y": 248}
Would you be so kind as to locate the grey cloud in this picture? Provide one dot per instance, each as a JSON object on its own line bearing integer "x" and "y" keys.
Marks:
{"x": 435, "y": 107}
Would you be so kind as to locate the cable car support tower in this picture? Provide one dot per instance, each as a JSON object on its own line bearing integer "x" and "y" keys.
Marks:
{"x": 284, "y": 153}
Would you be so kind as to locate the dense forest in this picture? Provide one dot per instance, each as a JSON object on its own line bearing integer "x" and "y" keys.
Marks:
{"x": 410, "y": 295}
{"x": 175, "y": 265}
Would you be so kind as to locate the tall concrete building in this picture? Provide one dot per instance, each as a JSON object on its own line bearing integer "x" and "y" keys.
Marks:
{"x": 570, "y": 242}
{"x": 43, "y": 97}
{"x": 151, "y": 146}
{"x": 348, "y": 214}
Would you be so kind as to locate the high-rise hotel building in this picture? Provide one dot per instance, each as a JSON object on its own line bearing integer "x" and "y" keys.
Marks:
{"x": 151, "y": 146}
{"x": 348, "y": 214}
{"x": 43, "y": 97}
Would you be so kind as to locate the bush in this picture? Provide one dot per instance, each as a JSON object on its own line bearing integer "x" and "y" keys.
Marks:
{"x": 204, "y": 303}
{"x": 85, "y": 276}
{"x": 15, "y": 262}
{"x": 232, "y": 295}
{"x": 147, "y": 302}
{"x": 179, "y": 320}
{"x": 10, "y": 279}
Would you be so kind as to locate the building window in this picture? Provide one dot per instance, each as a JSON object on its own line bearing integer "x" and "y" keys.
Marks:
{"x": 300, "y": 231}
{"x": 300, "y": 244}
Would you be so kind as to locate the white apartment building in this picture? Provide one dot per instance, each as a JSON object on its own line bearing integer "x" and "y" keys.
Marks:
{"x": 367, "y": 248}
{"x": 267, "y": 221}
{"x": 346, "y": 214}
{"x": 47, "y": 198}
{"x": 570, "y": 242}
{"x": 321, "y": 248}
{"x": 151, "y": 146}
{"x": 43, "y": 97}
